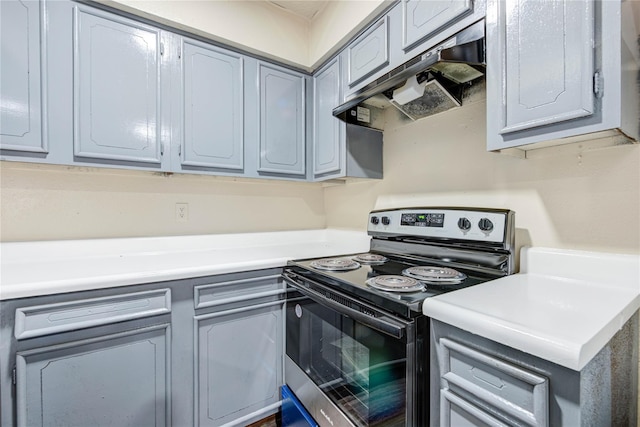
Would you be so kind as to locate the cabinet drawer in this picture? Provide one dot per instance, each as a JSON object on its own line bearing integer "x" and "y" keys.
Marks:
{"x": 494, "y": 382}
{"x": 54, "y": 318}
{"x": 369, "y": 53}
{"x": 233, "y": 291}
{"x": 458, "y": 412}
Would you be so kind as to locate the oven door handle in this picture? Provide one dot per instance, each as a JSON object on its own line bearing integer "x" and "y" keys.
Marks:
{"x": 379, "y": 321}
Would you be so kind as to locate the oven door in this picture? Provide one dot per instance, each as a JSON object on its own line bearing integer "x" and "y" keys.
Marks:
{"x": 348, "y": 362}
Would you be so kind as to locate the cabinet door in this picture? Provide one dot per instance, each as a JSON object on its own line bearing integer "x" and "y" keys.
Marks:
{"x": 238, "y": 367}
{"x": 545, "y": 62}
{"x": 20, "y": 77}
{"x": 422, "y": 18}
{"x": 116, "y": 88}
{"x": 328, "y": 131}
{"x": 115, "y": 380}
{"x": 212, "y": 101}
{"x": 369, "y": 53}
{"x": 282, "y": 121}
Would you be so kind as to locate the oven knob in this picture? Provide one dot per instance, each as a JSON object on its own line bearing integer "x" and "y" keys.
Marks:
{"x": 485, "y": 224}
{"x": 374, "y": 220}
{"x": 386, "y": 220}
{"x": 464, "y": 224}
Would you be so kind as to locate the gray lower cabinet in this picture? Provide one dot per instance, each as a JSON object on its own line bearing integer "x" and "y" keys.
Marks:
{"x": 201, "y": 351}
{"x": 117, "y": 379}
{"x": 238, "y": 348}
{"x": 21, "y": 108}
{"x": 211, "y": 114}
{"x": 557, "y": 70}
{"x": 478, "y": 382}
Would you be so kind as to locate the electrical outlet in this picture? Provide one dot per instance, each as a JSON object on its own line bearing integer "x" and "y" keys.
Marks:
{"x": 182, "y": 212}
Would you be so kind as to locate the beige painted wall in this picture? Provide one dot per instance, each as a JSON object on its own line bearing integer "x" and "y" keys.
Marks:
{"x": 42, "y": 202}
{"x": 562, "y": 198}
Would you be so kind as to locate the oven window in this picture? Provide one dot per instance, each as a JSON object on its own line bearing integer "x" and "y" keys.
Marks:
{"x": 362, "y": 370}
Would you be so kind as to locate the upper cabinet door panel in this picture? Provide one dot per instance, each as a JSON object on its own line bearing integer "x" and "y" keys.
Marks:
{"x": 548, "y": 64}
{"x": 20, "y": 77}
{"x": 369, "y": 52}
{"x": 326, "y": 135}
{"x": 116, "y": 88}
{"x": 422, "y": 18}
{"x": 212, "y": 102}
{"x": 282, "y": 118}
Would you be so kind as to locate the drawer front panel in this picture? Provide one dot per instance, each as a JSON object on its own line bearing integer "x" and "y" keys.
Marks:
{"x": 232, "y": 291}
{"x": 509, "y": 388}
{"x": 54, "y": 318}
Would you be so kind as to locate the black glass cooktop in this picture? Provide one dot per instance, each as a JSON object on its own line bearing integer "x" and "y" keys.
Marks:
{"x": 354, "y": 282}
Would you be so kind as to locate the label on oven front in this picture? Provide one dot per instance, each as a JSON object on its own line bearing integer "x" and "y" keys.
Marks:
{"x": 422, "y": 219}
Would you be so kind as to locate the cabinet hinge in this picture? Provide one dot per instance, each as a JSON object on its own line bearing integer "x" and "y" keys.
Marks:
{"x": 14, "y": 375}
{"x": 598, "y": 84}
{"x": 161, "y": 48}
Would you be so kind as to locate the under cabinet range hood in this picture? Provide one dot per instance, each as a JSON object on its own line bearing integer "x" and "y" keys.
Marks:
{"x": 430, "y": 83}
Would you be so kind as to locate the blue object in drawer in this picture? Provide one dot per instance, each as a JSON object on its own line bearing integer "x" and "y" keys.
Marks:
{"x": 293, "y": 413}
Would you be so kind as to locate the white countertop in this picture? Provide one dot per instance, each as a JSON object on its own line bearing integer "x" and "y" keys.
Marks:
{"x": 38, "y": 268}
{"x": 563, "y": 306}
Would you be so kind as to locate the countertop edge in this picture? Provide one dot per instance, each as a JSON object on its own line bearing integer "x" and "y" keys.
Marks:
{"x": 181, "y": 257}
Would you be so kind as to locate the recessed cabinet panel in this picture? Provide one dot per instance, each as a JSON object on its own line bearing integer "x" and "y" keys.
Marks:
{"x": 422, "y": 18}
{"x": 548, "y": 63}
{"x": 213, "y": 107}
{"x": 282, "y": 119}
{"x": 327, "y": 129}
{"x": 457, "y": 412}
{"x": 115, "y": 380}
{"x": 369, "y": 53}
{"x": 238, "y": 363}
{"x": 116, "y": 88}
{"x": 20, "y": 77}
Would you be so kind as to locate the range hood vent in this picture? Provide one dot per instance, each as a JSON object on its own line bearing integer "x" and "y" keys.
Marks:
{"x": 430, "y": 83}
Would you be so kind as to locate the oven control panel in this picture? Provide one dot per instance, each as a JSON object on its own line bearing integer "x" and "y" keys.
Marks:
{"x": 489, "y": 225}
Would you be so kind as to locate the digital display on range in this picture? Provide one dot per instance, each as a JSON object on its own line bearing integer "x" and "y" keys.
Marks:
{"x": 422, "y": 219}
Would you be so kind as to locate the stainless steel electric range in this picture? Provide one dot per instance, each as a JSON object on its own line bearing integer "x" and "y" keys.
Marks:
{"x": 357, "y": 343}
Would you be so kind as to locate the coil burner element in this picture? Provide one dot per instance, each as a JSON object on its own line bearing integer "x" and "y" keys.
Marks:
{"x": 335, "y": 264}
{"x": 370, "y": 259}
{"x": 435, "y": 275}
{"x": 392, "y": 283}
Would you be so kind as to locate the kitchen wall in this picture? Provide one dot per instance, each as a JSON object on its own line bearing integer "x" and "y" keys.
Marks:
{"x": 44, "y": 202}
{"x": 568, "y": 197}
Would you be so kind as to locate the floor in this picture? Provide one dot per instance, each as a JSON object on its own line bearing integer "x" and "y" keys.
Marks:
{"x": 271, "y": 421}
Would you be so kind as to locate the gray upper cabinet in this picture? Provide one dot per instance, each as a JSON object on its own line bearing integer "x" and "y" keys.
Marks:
{"x": 282, "y": 118}
{"x": 557, "y": 70}
{"x": 422, "y": 18}
{"x": 211, "y": 99}
{"x": 328, "y": 131}
{"x": 369, "y": 52}
{"x": 21, "y": 78}
{"x": 116, "y": 86}
{"x": 548, "y": 73}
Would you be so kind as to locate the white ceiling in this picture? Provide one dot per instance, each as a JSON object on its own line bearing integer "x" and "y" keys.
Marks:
{"x": 307, "y": 9}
